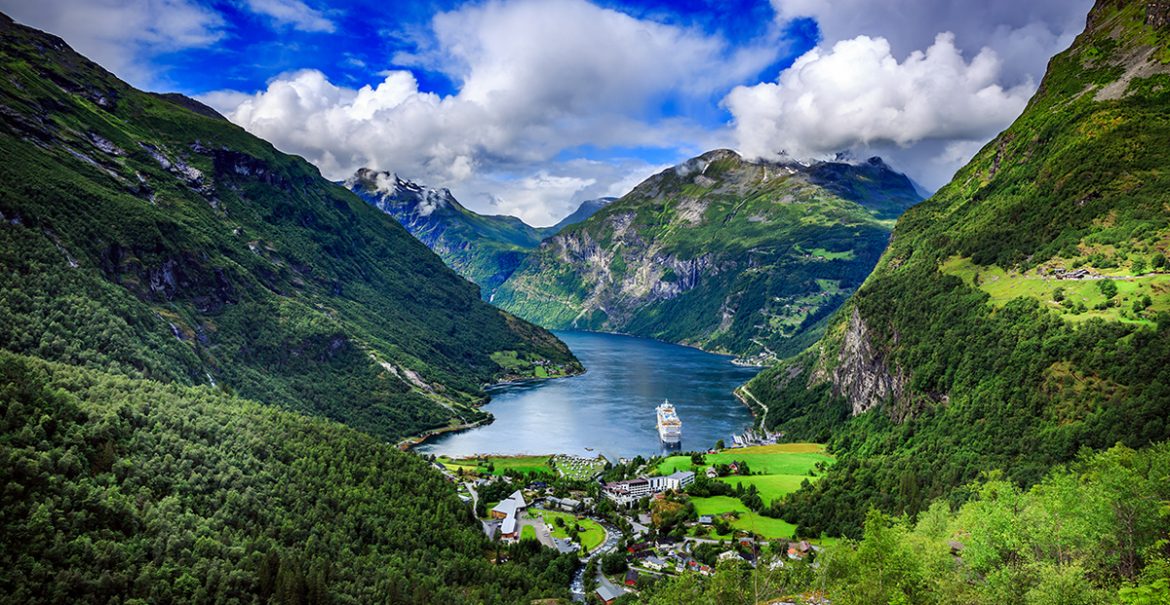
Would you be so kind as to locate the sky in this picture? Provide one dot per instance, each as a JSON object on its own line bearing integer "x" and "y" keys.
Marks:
{"x": 528, "y": 107}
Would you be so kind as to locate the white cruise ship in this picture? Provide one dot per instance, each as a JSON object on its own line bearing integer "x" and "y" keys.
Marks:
{"x": 669, "y": 425}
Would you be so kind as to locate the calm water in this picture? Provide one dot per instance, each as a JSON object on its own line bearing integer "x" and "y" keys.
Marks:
{"x": 611, "y": 407}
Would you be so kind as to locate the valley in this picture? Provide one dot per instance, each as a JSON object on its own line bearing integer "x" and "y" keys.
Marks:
{"x": 243, "y": 360}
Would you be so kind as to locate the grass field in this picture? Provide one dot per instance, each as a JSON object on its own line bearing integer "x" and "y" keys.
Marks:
{"x": 777, "y": 470}
{"x": 747, "y": 521}
{"x": 500, "y": 464}
{"x": 1004, "y": 286}
{"x": 770, "y": 487}
{"x": 779, "y": 459}
{"x": 591, "y": 535}
{"x": 527, "y": 533}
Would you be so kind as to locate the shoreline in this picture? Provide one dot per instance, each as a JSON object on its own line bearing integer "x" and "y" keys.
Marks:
{"x": 409, "y": 443}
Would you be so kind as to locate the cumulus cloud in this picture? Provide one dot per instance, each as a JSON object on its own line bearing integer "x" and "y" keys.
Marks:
{"x": 924, "y": 82}
{"x": 122, "y": 35}
{"x": 1023, "y": 33}
{"x": 858, "y": 93}
{"x": 536, "y": 77}
{"x": 292, "y": 13}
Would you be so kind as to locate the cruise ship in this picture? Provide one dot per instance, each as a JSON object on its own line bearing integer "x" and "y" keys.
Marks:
{"x": 669, "y": 425}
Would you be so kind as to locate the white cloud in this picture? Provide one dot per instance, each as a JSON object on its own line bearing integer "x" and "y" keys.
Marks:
{"x": 292, "y": 13}
{"x": 871, "y": 88}
{"x": 536, "y": 77}
{"x": 858, "y": 94}
{"x": 122, "y": 35}
{"x": 1024, "y": 33}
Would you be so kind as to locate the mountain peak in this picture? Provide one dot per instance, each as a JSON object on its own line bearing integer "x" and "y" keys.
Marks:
{"x": 387, "y": 186}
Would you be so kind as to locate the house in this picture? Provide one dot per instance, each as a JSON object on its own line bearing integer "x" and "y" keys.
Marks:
{"x": 607, "y": 594}
{"x": 711, "y": 472}
{"x": 654, "y": 563}
{"x": 799, "y": 550}
{"x": 631, "y": 577}
{"x": 706, "y": 519}
{"x": 730, "y": 555}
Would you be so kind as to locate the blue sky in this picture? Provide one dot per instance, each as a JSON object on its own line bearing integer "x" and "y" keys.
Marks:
{"x": 528, "y": 107}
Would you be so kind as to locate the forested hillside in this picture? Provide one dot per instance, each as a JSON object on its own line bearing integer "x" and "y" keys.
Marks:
{"x": 120, "y": 490}
{"x": 1019, "y": 315}
{"x": 736, "y": 256}
{"x": 147, "y": 235}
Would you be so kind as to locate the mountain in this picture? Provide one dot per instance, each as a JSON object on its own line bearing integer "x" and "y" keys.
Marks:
{"x": 587, "y": 209}
{"x": 738, "y": 256}
{"x": 485, "y": 249}
{"x": 1019, "y": 315}
{"x": 145, "y": 235}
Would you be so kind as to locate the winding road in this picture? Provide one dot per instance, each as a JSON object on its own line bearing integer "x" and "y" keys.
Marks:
{"x": 747, "y": 393}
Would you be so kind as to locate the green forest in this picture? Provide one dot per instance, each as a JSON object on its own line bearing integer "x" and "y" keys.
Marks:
{"x": 120, "y": 490}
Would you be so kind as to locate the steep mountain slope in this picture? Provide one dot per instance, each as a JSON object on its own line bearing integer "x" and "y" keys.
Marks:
{"x": 134, "y": 491}
{"x": 155, "y": 239}
{"x": 719, "y": 252}
{"x": 485, "y": 249}
{"x": 1019, "y": 315}
{"x": 587, "y": 209}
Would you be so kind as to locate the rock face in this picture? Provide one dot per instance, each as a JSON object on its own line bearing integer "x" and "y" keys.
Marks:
{"x": 862, "y": 375}
{"x": 738, "y": 256}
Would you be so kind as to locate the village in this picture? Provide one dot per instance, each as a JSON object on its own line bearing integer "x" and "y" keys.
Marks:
{"x": 633, "y": 522}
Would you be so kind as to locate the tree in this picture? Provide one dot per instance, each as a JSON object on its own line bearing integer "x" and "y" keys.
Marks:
{"x": 1108, "y": 288}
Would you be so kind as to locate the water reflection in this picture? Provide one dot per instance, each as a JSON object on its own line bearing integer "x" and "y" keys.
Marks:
{"x": 610, "y": 409}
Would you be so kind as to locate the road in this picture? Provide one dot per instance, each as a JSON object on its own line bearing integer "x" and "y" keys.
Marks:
{"x": 764, "y": 418}
{"x": 612, "y": 536}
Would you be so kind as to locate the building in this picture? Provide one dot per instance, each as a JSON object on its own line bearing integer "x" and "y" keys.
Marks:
{"x": 631, "y": 577}
{"x": 799, "y": 550}
{"x": 711, "y": 472}
{"x": 509, "y": 510}
{"x": 509, "y": 529}
{"x": 706, "y": 519}
{"x": 654, "y": 563}
{"x": 730, "y": 554}
{"x": 628, "y": 492}
{"x": 568, "y": 505}
{"x": 607, "y": 594}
